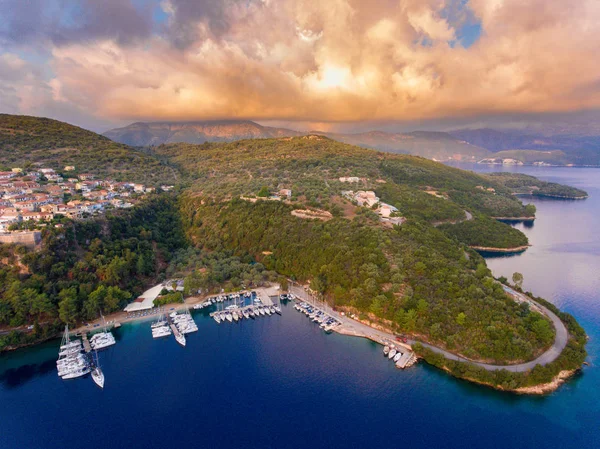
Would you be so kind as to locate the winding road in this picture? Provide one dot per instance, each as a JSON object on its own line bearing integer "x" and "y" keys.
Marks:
{"x": 560, "y": 341}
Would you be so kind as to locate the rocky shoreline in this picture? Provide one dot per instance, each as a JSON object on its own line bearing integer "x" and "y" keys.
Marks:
{"x": 517, "y": 249}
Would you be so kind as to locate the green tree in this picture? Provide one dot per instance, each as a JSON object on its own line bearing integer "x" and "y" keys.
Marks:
{"x": 68, "y": 305}
{"x": 517, "y": 279}
{"x": 461, "y": 318}
{"x": 263, "y": 192}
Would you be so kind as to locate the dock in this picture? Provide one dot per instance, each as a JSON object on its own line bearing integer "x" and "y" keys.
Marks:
{"x": 86, "y": 343}
{"x": 173, "y": 328}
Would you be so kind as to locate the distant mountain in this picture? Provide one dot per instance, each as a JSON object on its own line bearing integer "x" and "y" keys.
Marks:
{"x": 465, "y": 144}
{"x": 432, "y": 145}
{"x": 156, "y": 133}
{"x": 569, "y": 148}
{"x": 43, "y": 142}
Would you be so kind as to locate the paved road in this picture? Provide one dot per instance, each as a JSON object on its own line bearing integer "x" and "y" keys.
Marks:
{"x": 550, "y": 355}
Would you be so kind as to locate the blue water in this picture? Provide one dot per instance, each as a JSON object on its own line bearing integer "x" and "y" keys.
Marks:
{"x": 281, "y": 382}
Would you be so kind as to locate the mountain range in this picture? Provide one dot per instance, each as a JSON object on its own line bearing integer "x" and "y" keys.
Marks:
{"x": 464, "y": 144}
{"x": 432, "y": 145}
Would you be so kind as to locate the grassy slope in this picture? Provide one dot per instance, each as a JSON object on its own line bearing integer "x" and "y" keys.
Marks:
{"x": 49, "y": 143}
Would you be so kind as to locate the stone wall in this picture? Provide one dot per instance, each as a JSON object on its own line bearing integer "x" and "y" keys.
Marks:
{"x": 30, "y": 239}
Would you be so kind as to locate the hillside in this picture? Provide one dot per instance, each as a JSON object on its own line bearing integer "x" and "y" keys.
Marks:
{"x": 157, "y": 133}
{"x": 431, "y": 145}
{"x": 312, "y": 165}
{"x": 414, "y": 276}
{"x": 43, "y": 142}
{"x": 529, "y": 185}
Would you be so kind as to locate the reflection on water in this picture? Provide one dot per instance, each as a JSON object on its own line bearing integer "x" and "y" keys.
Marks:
{"x": 15, "y": 377}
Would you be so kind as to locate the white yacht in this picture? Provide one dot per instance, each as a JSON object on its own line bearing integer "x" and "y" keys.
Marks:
{"x": 229, "y": 317}
{"x": 397, "y": 357}
{"x": 98, "y": 377}
{"x": 217, "y": 318}
{"x": 246, "y": 313}
{"x": 159, "y": 332}
{"x": 180, "y": 338}
{"x": 392, "y": 353}
{"x": 102, "y": 340}
{"x": 78, "y": 372}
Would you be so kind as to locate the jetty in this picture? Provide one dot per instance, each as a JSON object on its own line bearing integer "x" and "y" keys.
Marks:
{"x": 86, "y": 343}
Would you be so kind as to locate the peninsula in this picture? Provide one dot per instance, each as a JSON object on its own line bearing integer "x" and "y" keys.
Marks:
{"x": 361, "y": 227}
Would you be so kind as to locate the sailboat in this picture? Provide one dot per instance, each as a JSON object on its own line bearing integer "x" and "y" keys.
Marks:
{"x": 97, "y": 374}
{"x": 277, "y": 307}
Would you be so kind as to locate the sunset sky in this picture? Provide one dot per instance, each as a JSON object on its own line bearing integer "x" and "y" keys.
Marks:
{"x": 301, "y": 63}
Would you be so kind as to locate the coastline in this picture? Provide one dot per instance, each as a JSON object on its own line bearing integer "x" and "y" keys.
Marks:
{"x": 542, "y": 195}
{"x": 514, "y": 218}
{"x": 517, "y": 249}
{"x": 534, "y": 390}
{"x": 353, "y": 327}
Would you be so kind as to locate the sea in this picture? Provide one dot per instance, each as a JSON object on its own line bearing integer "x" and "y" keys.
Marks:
{"x": 281, "y": 382}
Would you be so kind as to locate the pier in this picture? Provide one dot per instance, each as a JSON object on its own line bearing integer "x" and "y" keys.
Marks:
{"x": 86, "y": 343}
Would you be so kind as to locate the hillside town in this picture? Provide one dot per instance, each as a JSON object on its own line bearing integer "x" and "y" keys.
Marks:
{"x": 40, "y": 195}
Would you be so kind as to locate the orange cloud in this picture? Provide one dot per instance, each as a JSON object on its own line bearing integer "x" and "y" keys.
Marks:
{"x": 345, "y": 60}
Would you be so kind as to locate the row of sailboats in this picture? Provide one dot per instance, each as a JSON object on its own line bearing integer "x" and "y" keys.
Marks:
{"x": 236, "y": 313}
{"x": 73, "y": 362}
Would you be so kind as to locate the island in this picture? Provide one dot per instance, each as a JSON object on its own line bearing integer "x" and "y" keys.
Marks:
{"x": 385, "y": 237}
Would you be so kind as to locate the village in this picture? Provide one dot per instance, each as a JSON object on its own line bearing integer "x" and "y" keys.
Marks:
{"x": 37, "y": 196}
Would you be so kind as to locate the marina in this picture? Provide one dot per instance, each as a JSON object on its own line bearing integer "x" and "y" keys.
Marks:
{"x": 243, "y": 306}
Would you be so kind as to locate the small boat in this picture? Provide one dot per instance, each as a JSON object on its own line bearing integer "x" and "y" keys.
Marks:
{"x": 235, "y": 316}
{"x": 229, "y": 317}
{"x": 386, "y": 350}
{"x": 246, "y": 313}
{"x": 397, "y": 357}
{"x": 251, "y": 313}
{"x": 217, "y": 318}
{"x": 262, "y": 311}
{"x": 392, "y": 353}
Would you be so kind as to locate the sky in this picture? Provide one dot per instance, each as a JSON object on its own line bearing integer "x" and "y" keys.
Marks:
{"x": 305, "y": 64}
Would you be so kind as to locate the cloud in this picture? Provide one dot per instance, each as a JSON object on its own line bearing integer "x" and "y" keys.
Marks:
{"x": 327, "y": 61}
{"x": 61, "y": 22}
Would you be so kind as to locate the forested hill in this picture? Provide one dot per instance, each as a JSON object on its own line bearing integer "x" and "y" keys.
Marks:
{"x": 44, "y": 142}
{"x": 416, "y": 278}
{"x": 311, "y": 167}
{"x": 522, "y": 184}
